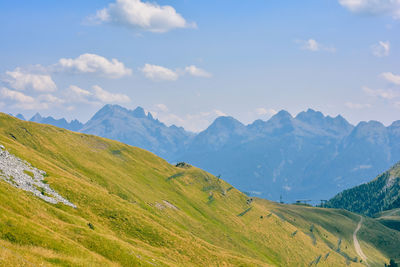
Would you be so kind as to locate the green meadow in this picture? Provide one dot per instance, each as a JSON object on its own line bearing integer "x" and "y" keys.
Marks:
{"x": 136, "y": 209}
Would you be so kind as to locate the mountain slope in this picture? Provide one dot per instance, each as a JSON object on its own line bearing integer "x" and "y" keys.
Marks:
{"x": 134, "y": 208}
{"x": 135, "y": 128}
{"x": 381, "y": 194}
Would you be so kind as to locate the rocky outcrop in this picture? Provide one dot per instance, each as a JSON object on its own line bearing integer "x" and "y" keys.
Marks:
{"x": 23, "y": 175}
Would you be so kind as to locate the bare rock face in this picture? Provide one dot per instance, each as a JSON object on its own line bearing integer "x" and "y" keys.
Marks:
{"x": 23, "y": 175}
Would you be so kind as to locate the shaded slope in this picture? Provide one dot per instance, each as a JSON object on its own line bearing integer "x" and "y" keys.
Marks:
{"x": 390, "y": 218}
{"x": 382, "y": 193}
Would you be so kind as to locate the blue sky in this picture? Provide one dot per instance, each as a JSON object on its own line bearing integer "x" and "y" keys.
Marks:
{"x": 190, "y": 61}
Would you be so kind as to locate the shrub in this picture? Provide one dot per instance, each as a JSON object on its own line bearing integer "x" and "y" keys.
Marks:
{"x": 91, "y": 226}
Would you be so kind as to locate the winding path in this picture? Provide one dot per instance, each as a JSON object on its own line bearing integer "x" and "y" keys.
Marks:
{"x": 357, "y": 244}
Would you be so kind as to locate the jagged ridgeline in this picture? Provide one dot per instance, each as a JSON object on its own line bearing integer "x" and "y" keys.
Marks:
{"x": 309, "y": 156}
{"x": 136, "y": 209}
{"x": 381, "y": 194}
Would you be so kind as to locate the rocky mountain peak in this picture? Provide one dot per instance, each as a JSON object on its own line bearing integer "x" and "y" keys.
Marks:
{"x": 37, "y": 117}
{"x": 139, "y": 113}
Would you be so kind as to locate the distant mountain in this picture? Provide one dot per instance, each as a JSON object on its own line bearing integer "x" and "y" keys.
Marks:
{"x": 224, "y": 131}
{"x": 19, "y": 116}
{"x": 282, "y": 156}
{"x": 135, "y": 127}
{"x": 74, "y": 125}
{"x": 310, "y": 156}
{"x": 381, "y": 194}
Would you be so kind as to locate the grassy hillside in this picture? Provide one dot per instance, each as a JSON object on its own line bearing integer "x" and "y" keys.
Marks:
{"x": 135, "y": 209}
{"x": 381, "y": 194}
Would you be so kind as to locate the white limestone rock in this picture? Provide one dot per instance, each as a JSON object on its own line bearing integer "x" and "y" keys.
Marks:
{"x": 23, "y": 175}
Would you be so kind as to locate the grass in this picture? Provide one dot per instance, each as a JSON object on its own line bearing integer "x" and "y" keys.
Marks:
{"x": 29, "y": 173}
{"x": 117, "y": 223}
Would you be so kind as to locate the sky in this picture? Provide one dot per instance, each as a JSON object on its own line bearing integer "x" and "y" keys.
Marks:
{"x": 188, "y": 62}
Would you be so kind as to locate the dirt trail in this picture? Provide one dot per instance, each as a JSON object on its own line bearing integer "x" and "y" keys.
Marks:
{"x": 357, "y": 244}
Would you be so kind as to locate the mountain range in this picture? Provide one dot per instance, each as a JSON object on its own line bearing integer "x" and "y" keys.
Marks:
{"x": 73, "y": 125}
{"x": 307, "y": 157}
{"x": 73, "y": 199}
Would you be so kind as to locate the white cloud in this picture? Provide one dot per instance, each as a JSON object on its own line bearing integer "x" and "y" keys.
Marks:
{"x": 352, "y": 105}
{"x": 16, "y": 96}
{"x": 220, "y": 113}
{"x": 107, "y": 97}
{"x": 373, "y": 7}
{"x": 313, "y": 45}
{"x": 76, "y": 94}
{"x": 159, "y": 73}
{"x": 51, "y": 99}
{"x": 264, "y": 111}
{"x": 195, "y": 71}
{"x": 23, "y": 101}
{"x": 92, "y": 63}
{"x": 393, "y": 78}
{"x": 78, "y": 91}
{"x": 142, "y": 15}
{"x": 161, "y": 107}
{"x": 381, "y": 49}
{"x": 170, "y": 118}
{"x": 381, "y": 93}
{"x": 22, "y": 80}
{"x": 96, "y": 96}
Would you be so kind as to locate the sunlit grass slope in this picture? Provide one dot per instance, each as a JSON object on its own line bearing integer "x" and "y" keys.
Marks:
{"x": 135, "y": 209}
